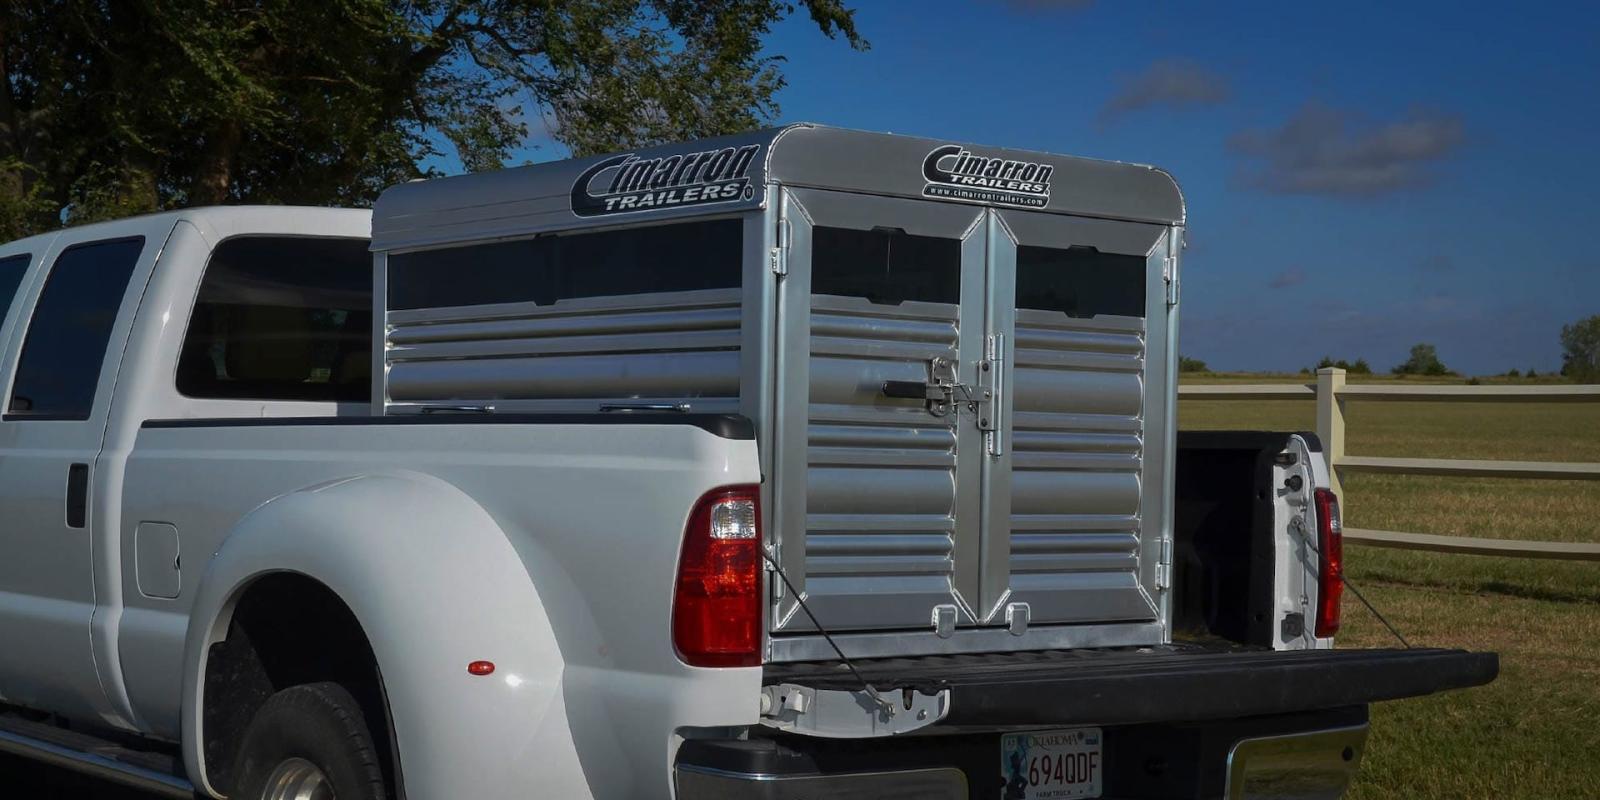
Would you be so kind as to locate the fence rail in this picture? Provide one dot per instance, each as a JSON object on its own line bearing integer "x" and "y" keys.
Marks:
{"x": 1565, "y": 551}
{"x": 1330, "y": 393}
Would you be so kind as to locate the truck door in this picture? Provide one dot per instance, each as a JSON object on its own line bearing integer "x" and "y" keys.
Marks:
{"x": 1075, "y": 503}
{"x": 877, "y": 495}
{"x": 60, "y": 365}
{"x": 965, "y": 422}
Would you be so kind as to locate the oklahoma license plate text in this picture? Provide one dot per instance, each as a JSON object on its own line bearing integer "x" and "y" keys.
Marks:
{"x": 1051, "y": 765}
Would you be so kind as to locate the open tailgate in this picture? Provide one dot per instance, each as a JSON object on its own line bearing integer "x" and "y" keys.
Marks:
{"x": 1176, "y": 683}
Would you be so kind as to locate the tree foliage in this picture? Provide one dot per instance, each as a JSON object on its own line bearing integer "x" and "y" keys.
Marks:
{"x": 1580, "y": 350}
{"x": 1359, "y": 367}
{"x": 112, "y": 107}
{"x": 1424, "y": 360}
{"x": 1187, "y": 364}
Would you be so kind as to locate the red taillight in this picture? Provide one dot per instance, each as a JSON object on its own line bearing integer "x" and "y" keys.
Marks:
{"x": 716, "y": 609}
{"x": 1330, "y": 563}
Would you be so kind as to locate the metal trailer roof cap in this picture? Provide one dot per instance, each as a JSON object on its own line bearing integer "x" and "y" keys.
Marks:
{"x": 730, "y": 173}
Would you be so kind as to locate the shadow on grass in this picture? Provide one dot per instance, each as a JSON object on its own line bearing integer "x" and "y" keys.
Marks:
{"x": 1496, "y": 587}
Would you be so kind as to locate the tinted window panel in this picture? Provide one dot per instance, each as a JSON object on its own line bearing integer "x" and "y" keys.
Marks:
{"x": 662, "y": 258}
{"x": 66, "y": 344}
{"x": 1080, "y": 281}
{"x": 885, "y": 266}
{"x": 12, "y": 268}
{"x": 282, "y": 318}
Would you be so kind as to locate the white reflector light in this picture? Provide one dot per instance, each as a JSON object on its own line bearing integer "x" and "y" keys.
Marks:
{"x": 733, "y": 519}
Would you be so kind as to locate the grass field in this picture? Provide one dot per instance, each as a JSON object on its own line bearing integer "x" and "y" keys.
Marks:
{"x": 1535, "y": 732}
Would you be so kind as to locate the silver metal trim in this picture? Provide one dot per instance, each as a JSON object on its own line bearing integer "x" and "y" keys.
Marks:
{"x": 96, "y": 766}
{"x": 939, "y": 783}
{"x": 1353, "y": 737}
{"x": 1017, "y": 615}
{"x": 844, "y": 714}
{"x": 965, "y": 640}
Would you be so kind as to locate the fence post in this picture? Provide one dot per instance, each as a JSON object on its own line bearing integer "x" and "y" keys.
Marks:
{"x": 1330, "y": 422}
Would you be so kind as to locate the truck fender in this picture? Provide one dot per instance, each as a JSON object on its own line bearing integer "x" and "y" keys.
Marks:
{"x": 435, "y": 584}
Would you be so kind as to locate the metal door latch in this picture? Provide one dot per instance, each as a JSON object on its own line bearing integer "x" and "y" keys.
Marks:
{"x": 942, "y": 391}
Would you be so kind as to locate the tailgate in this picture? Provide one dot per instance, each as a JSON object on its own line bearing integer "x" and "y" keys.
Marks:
{"x": 1156, "y": 684}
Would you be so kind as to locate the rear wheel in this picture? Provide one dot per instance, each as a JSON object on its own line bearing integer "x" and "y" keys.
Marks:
{"x": 308, "y": 742}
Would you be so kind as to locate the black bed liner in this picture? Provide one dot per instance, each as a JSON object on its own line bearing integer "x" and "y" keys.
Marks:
{"x": 1175, "y": 683}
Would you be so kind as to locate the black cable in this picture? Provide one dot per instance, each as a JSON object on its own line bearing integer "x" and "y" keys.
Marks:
{"x": 867, "y": 687}
{"x": 1373, "y": 609}
{"x": 1306, "y": 537}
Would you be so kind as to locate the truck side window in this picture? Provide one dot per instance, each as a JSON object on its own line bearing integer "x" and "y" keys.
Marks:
{"x": 1080, "y": 281}
{"x": 660, "y": 258}
{"x": 12, "y": 268}
{"x": 282, "y": 318}
{"x": 71, "y": 328}
{"x": 886, "y": 266}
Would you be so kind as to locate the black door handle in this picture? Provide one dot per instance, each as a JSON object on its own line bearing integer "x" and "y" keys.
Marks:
{"x": 913, "y": 390}
{"x": 77, "y": 495}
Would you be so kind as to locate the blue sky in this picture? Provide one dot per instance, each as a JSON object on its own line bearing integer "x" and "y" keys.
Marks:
{"x": 1360, "y": 176}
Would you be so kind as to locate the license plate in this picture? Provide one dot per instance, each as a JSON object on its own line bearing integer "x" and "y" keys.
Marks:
{"x": 1051, "y": 765}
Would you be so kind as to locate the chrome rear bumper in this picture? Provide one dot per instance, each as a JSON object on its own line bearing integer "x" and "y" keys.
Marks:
{"x": 1300, "y": 756}
{"x": 698, "y": 783}
{"x": 1317, "y": 765}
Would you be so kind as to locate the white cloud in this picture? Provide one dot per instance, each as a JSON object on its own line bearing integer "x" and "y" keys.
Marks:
{"x": 1170, "y": 82}
{"x": 1321, "y": 150}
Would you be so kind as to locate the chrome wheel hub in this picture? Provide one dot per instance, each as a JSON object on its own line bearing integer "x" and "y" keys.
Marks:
{"x": 297, "y": 779}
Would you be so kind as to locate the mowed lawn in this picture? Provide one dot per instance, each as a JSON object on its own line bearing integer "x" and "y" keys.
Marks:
{"x": 1535, "y": 732}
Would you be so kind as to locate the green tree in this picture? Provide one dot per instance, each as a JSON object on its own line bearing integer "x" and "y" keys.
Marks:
{"x": 1187, "y": 364}
{"x": 1424, "y": 360}
{"x": 1360, "y": 367}
{"x": 1580, "y": 350}
{"x": 111, "y": 107}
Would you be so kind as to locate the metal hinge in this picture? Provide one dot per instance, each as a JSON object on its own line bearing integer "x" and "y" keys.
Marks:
{"x": 1164, "y": 566}
{"x": 1169, "y": 273}
{"x": 988, "y": 404}
{"x": 843, "y": 714}
{"x": 778, "y": 259}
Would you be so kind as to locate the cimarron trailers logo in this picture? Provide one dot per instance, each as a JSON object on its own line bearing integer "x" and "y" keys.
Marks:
{"x": 626, "y": 183}
{"x": 955, "y": 173}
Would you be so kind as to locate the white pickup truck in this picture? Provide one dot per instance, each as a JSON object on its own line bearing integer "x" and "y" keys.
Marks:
{"x": 806, "y": 463}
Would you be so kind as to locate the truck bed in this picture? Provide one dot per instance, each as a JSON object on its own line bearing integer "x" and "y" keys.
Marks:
{"x": 1175, "y": 683}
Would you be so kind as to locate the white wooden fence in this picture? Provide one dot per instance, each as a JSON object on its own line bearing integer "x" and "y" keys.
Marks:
{"x": 1330, "y": 393}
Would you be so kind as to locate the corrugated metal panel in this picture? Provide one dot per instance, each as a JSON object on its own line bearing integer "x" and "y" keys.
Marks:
{"x": 681, "y": 347}
{"x": 880, "y": 499}
{"x": 1077, "y": 446}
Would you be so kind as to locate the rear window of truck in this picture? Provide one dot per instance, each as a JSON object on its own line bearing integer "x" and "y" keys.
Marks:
{"x": 282, "y": 318}
{"x": 651, "y": 260}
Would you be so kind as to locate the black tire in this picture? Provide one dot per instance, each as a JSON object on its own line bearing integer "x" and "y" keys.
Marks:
{"x": 317, "y": 722}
